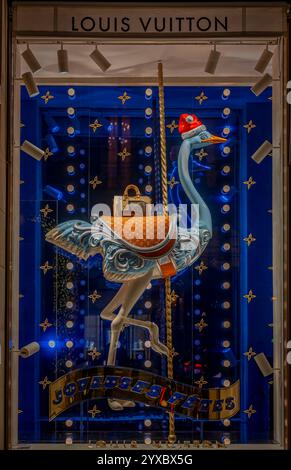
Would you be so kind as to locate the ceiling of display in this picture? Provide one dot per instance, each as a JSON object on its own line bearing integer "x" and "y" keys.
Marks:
{"x": 140, "y": 60}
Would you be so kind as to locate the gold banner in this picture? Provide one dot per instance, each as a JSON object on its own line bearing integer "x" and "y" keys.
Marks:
{"x": 140, "y": 386}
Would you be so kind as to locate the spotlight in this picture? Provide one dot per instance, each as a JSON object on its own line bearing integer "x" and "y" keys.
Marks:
{"x": 225, "y": 267}
{"x": 225, "y": 189}
{"x": 71, "y": 131}
{"x": 225, "y": 94}
{"x": 70, "y": 188}
{"x": 30, "y": 84}
{"x": 148, "y": 131}
{"x": 262, "y": 152}
{"x": 226, "y": 112}
{"x": 225, "y": 228}
{"x": 148, "y": 189}
{"x": 148, "y": 150}
{"x": 225, "y": 132}
{"x": 31, "y": 60}
{"x": 264, "y": 60}
{"x": 212, "y": 61}
{"x": 262, "y": 84}
{"x": 71, "y": 150}
{"x": 148, "y": 113}
{"x": 148, "y": 169}
{"x": 225, "y": 208}
{"x": 226, "y": 150}
{"x": 70, "y": 208}
{"x": 71, "y": 112}
{"x": 148, "y": 93}
{"x": 63, "y": 62}
{"x": 225, "y": 170}
{"x": 71, "y": 93}
{"x": 100, "y": 60}
{"x": 28, "y": 350}
{"x": 71, "y": 170}
{"x": 263, "y": 364}
{"x": 32, "y": 150}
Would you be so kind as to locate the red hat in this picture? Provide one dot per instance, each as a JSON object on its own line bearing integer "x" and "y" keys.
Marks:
{"x": 189, "y": 125}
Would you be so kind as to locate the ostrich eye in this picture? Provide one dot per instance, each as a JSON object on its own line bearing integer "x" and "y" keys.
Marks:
{"x": 203, "y": 135}
{"x": 189, "y": 118}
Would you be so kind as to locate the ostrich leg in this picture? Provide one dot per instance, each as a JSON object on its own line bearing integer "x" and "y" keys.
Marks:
{"x": 107, "y": 314}
{"x": 129, "y": 294}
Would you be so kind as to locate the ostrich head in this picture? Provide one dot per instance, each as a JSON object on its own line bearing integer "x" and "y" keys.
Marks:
{"x": 190, "y": 127}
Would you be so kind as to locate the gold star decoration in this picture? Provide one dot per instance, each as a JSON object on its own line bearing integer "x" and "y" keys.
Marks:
{"x": 201, "y": 267}
{"x": 250, "y": 411}
{"x": 201, "y": 382}
{"x": 94, "y": 411}
{"x": 123, "y": 154}
{"x": 44, "y": 382}
{"x": 47, "y": 154}
{"x": 249, "y": 126}
{"x": 95, "y": 125}
{"x": 250, "y": 182}
{"x": 46, "y": 267}
{"x": 95, "y": 181}
{"x": 172, "y": 126}
{"x": 200, "y": 98}
{"x": 123, "y": 98}
{"x": 250, "y": 296}
{"x": 249, "y": 239}
{"x": 250, "y": 353}
{"x": 94, "y": 353}
{"x": 94, "y": 296}
{"x": 45, "y": 325}
{"x": 46, "y": 210}
{"x": 174, "y": 297}
{"x": 201, "y": 154}
{"x": 201, "y": 325}
{"x": 172, "y": 182}
{"x": 47, "y": 97}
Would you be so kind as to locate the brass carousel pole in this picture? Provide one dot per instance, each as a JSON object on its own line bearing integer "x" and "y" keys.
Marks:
{"x": 168, "y": 301}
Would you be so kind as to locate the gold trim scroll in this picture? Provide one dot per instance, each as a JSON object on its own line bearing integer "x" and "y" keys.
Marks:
{"x": 144, "y": 387}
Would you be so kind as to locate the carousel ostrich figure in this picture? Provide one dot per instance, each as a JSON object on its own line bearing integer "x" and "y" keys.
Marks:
{"x": 129, "y": 265}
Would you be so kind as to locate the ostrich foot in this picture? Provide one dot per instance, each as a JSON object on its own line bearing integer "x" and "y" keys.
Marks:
{"x": 118, "y": 405}
{"x": 155, "y": 342}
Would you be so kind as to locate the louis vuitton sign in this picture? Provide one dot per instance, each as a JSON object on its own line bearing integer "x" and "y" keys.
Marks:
{"x": 150, "y": 24}
{"x": 145, "y": 21}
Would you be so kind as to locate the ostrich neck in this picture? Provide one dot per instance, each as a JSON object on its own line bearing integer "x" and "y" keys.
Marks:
{"x": 189, "y": 188}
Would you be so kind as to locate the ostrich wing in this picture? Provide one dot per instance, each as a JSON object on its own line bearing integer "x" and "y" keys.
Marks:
{"x": 76, "y": 237}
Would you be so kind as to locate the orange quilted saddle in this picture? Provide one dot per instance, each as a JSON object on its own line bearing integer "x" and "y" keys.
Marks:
{"x": 150, "y": 236}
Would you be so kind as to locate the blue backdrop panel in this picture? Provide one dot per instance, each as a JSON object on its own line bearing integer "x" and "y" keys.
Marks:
{"x": 222, "y": 309}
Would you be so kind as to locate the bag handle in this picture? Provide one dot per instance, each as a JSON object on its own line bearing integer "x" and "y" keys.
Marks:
{"x": 131, "y": 187}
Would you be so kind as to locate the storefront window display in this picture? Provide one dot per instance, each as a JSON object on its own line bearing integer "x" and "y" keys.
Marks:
{"x": 133, "y": 324}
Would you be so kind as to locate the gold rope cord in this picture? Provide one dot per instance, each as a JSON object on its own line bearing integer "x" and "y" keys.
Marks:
{"x": 168, "y": 301}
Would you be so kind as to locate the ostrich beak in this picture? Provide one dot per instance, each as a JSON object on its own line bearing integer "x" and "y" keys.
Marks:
{"x": 214, "y": 139}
